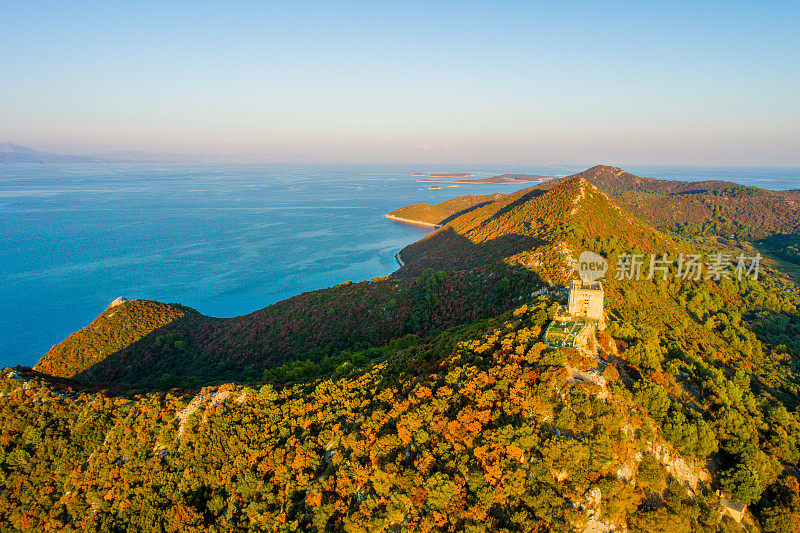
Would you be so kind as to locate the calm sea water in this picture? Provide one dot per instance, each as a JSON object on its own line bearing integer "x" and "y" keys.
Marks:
{"x": 224, "y": 239}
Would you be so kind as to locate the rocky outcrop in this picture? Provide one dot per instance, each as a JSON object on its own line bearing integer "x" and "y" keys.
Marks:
{"x": 203, "y": 402}
{"x": 118, "y": 301}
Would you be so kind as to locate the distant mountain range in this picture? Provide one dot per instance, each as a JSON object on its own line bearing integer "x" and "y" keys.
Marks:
{"x": 132, "y": 156}
{"x": 15, "y": 154}
{"x": 11, "y": 153}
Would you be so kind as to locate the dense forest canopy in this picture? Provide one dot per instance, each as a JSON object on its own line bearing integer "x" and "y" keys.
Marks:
{"x": 427, "y": 401}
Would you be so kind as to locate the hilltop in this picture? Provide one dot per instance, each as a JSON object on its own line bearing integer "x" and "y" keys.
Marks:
{"x": 521, "y": 226}
{"x": 614, "y": 181}
{"x": 114, "y": 329}
{"x": 708, "y": 207}
{"x": 702, "y": 209}
{"x": 426, "y": 401}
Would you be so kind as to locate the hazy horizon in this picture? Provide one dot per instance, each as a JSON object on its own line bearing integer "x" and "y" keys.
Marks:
{"x": 621, "y": 84}
{"x": 509, "y": 166}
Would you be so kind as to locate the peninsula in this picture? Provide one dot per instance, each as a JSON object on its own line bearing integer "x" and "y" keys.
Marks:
{"x": 437, "y": 215}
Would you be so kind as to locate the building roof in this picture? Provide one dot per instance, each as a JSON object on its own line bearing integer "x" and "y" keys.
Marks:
{"x": 591, "y": 286}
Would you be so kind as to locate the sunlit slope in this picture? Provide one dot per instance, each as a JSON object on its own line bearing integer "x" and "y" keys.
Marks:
{"x": 481, "y": 429}
{"x": 436, "y": 214}
{"x": 709, "y": 207}
{"x": 575, "y": 213}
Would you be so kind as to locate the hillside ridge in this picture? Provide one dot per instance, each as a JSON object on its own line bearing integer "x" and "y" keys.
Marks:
{"x": 428, "y": 400}
{"x": 525, "y": 224}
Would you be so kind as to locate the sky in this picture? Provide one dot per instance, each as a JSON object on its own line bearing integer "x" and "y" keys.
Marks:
{"x": 454, "y": 82}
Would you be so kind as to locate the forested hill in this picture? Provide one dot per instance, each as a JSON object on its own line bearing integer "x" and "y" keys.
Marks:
{"x": 711, "y": 208}
{"x": 427, "y": 401}
{"x": 113, "y": 330}
{"x": 448, "y": 280}
{"x": 149, "y": 344}
{"x": 717, "y": 208}
{"x": 535, "y": 228}
{"x": 442, "y": 212}
{"x": 616, "y": 181}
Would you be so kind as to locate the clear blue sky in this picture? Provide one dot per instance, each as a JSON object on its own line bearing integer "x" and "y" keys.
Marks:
{"x": 680, "y": 83}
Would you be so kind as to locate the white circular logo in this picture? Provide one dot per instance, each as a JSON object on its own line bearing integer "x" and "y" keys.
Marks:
{"x": 591, "y": 266}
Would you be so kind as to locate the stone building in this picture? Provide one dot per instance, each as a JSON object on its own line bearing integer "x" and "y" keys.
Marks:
{"x": 585, "y": 300}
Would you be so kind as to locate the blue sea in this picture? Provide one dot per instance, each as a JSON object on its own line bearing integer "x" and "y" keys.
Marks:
{"x": 224, "y": 239}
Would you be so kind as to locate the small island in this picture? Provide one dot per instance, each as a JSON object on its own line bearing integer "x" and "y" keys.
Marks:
{"x": 443, "y": 175}
{"x": 501, "y": 179}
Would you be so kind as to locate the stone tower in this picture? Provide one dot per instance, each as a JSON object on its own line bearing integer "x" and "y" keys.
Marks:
{"x": 586, "y": 300}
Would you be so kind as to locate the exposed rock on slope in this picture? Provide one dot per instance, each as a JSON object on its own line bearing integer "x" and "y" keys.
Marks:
{"x": 118, "y": 301}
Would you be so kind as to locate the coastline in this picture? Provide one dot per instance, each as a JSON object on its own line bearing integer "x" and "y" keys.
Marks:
{"x": 399, "y": 261}
{"x": 409, "y": 221}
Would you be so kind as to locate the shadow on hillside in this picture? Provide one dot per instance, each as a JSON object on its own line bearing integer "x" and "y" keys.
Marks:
{"x": 69, "y": 386}
{"x": 465, "y": 211}
{"x": 195, "y": 351}
{"x": 781, "y": 332}
{"x": 525, "y": 198}
{"x": 450, "y": 251}
{"x": 161, "y": 354}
